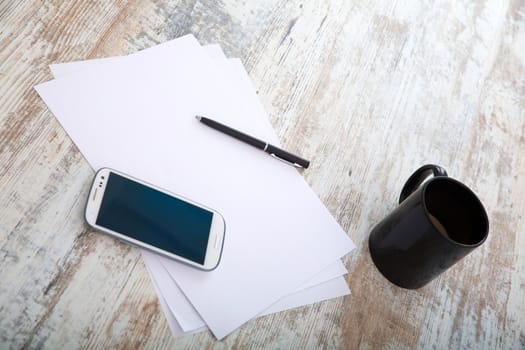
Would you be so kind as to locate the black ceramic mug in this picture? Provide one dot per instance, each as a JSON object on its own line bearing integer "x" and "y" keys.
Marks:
{"x": 437, "y": 223}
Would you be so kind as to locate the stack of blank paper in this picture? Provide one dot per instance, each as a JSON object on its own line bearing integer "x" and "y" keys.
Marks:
{"x": 136, "y": 114}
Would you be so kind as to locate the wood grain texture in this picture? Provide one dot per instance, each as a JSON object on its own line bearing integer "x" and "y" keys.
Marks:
{"x": 369, "y": 90}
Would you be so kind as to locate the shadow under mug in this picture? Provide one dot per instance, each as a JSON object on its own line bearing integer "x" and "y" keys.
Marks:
{"x": 437, "y": 223}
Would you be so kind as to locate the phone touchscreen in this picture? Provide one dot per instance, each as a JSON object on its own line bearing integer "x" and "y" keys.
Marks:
{"x": 153, "y": 217}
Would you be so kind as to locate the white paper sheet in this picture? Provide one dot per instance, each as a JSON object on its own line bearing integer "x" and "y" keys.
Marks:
{"x": 313, "y": 292}
{"x": 332, "y": 289}
{"x": 183, "y": 311}
{"x": 187, "y": 317}
{"x": 142, "y": 109}
{"x": 174, "y": 326}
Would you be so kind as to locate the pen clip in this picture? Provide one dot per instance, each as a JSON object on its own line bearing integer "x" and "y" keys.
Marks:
{"x": 285, "y": 161}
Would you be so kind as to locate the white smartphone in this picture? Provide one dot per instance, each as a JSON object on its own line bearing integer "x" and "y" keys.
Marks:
{"x": 149, "y": 217}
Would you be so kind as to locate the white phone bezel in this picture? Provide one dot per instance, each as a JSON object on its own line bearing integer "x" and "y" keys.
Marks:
{"x": 217, "y": 228}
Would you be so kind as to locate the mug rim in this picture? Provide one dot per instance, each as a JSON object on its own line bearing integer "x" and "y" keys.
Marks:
{"x": 472, "y": 194}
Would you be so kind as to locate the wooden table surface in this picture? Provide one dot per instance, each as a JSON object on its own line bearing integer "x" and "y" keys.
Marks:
{"x": 369, "y": 90}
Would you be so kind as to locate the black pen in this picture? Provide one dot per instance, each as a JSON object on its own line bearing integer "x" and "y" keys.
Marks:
{"x": 276, "y": 152}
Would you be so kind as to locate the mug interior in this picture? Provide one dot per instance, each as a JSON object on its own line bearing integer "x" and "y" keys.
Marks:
{"x": 455, "y": 211}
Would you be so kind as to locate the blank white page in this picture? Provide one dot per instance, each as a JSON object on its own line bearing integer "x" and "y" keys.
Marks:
{"x": 137, "y": 115}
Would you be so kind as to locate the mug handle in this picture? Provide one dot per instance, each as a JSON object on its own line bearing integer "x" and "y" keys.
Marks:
{"x": 417, "y": 178}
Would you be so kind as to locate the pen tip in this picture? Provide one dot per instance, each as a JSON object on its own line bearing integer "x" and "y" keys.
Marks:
{"x": 198, "y": 117}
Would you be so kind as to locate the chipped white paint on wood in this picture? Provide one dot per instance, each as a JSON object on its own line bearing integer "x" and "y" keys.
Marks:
{"x": 369, "y": 90}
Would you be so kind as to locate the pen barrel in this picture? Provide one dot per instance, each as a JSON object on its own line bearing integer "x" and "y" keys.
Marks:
{"x": 234, "y": 133}
{"x": 278, "y": 153}
{"x": 287, "y": 156}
